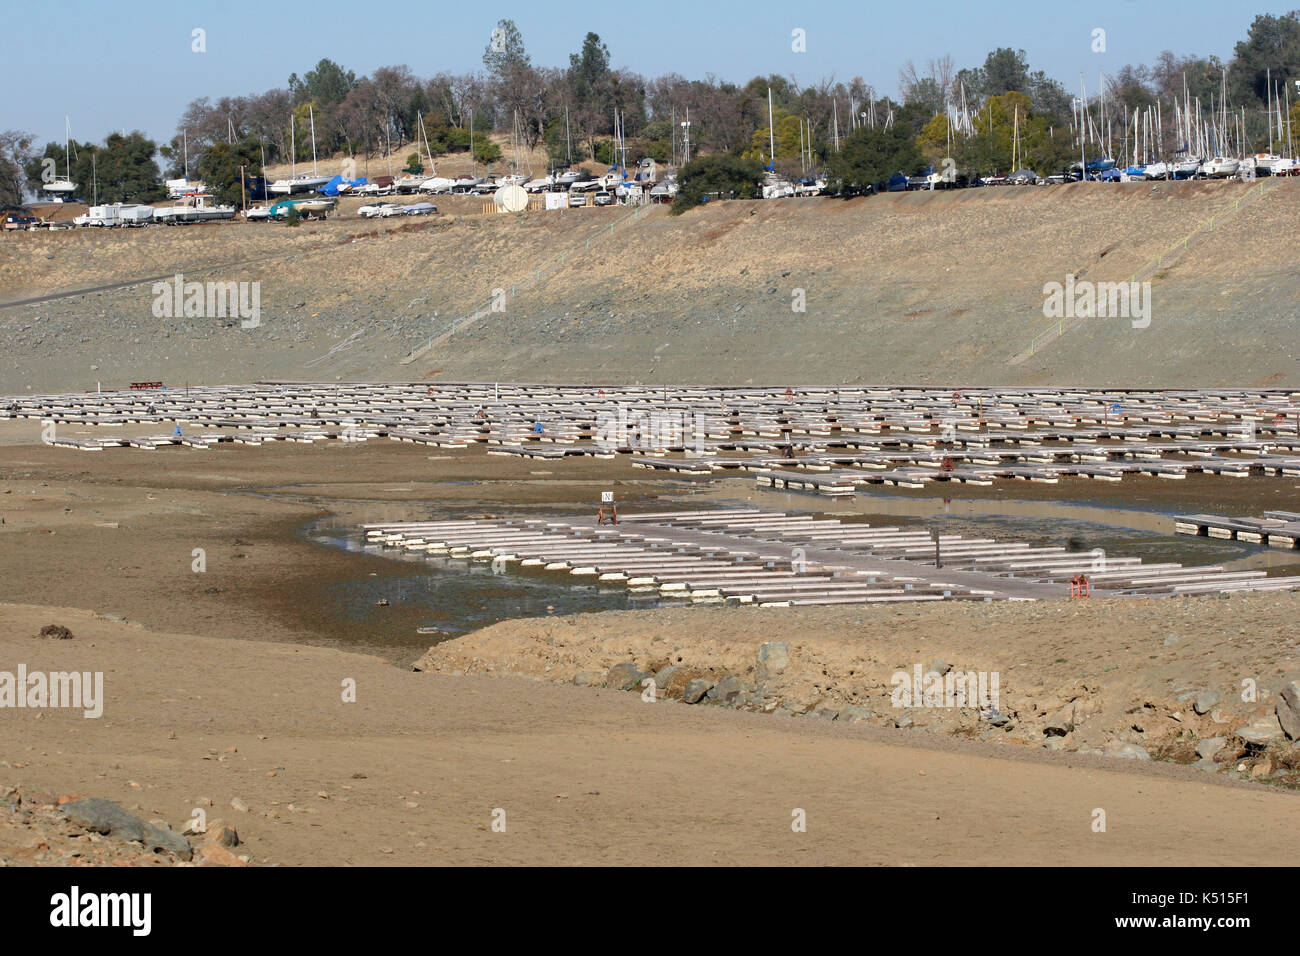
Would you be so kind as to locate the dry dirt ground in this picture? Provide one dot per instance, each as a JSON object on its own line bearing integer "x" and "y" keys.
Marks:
{"x": 943, "y": 287}
{"x": 228, "y": 686}
{"x": 415, "y": 769}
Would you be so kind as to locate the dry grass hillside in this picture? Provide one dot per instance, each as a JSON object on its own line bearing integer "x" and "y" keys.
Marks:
{"x": 916, "y": 287}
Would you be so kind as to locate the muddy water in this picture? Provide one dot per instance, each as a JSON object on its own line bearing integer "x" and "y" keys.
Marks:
{"x": 441, "y": 597}
{"x": 438, "y": 598}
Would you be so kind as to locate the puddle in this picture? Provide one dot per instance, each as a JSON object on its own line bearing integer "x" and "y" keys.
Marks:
{"x": 430, "y": 599}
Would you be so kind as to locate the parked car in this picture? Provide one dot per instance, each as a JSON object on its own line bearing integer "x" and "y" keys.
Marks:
{"x": 577, "y": 199}
{"x": 603, "y": 198}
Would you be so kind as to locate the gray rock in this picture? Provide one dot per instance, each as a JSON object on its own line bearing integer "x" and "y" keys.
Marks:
{"x": 1060, "y": 723}
{"x": 771, "y": 660}
{"x": 664, "y": 676}
{"x": 995, "y": 718}
{"x": 106, "y": 817}
{"x": 587, "y": 679}
{"x": 727, "y": 690}
{"x": 1288, "y": 709}
{"x": 939, "y": 666}
{"x": 854, "y": 715}
{"x": 1205, "y": 764}
{"x": 903, "y": 721}
{"x": 695, "y": 690}
{"x": 1054, "y": 743}
{"x": 1207, "y": 748}
{"x": 1129, "y": 751}
{"x": 1206, "y": 701}
{"x": 625, "y": 676}
{"x": 1261, "y": 732}
{"x": 747, "y": 701}
{"x": 824, "y": 713}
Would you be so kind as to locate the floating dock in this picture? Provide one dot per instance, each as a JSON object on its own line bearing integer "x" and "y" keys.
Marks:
{"x": 771, "y": 558}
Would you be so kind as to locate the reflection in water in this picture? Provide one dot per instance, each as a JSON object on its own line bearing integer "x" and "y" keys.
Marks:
{"x": 446, "y": 597}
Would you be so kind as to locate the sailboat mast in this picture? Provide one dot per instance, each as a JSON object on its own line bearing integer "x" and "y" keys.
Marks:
{"x": 771, "y": 132}
{"x": 311, "y": 113}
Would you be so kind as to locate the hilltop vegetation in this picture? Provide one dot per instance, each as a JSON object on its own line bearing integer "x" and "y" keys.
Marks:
{"x": 979, "y": 115}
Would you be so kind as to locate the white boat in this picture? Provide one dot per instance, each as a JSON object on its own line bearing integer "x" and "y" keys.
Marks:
{"x": 421, "y": 209}
{"x": 1220, "y": 167}
{"x": 310, "y": 207}
{"x": 409, "y": 184}
{"x": 464, "y": 184}
{"x": 60, "y": 190}
{"x": 539, "y": 185}
{"x": 438, "y": 184}
{"x": 176, "y": 188}
{"x": 194, "y": 208}
{"x": 1156, "y": 170}
{"x": 664, "y": 189}
{"x": 373, "y": 210}
{"x": 257, "y": 213}
{"x": 1264, "y": 163}
{"x": 298, "y": 184}
{"x": 1187, "y": 168}
{"x": 568, "y": 177}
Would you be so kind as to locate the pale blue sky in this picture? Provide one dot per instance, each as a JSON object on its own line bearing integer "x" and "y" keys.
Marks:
{"x": 127, "y": 64}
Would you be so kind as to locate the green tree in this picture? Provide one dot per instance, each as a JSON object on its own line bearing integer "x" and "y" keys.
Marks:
{"x": 327, "y": 85}
{"x": 868, "y": 157}
{"x": 121, "y": 170}
{"x": 126, "y": 171}
{"x": 722, "y": 175}
{"x": 505, "y": 51}
{"x": 219, "y": 168}
{"x": 486, "y": 151}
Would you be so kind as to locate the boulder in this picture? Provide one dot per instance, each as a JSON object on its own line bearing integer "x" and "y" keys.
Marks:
{"x": 625, "y": 676}
{"x": 727, "y": 690}
{"x": 1207, "y": 748}
{"x": 695, "y": 690}
{"x": 824, "y": 713}
{"x": 939, "y": 666}
{"x": 1117, "y": 748}
{"x": 587, "y": 679}
{"x": 1060, "y": 723}
{"x": 854, "y": 715}
{"x": 771, "y": 661}
{"x": 106, "y": 817}
{"x": 1288, "y": 709}
{"x": 1261, "y": 732}
{"x": 1206, "y": 701}
{"x": 664, "y": 676}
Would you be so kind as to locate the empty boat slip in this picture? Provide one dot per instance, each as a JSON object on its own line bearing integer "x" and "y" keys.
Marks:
{"x": 769, "y": 558}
